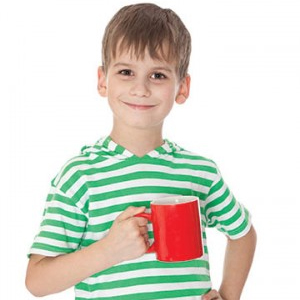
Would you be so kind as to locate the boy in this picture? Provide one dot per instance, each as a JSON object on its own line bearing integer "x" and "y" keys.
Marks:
{"x": 90, "y": 236}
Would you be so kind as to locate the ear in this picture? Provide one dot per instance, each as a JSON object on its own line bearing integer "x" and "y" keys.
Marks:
{"x": 184, "y": 90}
{"x": 102, "y": 87}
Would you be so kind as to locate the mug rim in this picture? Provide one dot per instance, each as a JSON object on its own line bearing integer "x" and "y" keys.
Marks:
{"x": 174, "y": 200}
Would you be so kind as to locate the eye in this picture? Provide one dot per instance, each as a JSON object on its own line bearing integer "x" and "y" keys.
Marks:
{"x": 158, "y": 75}
{"x": 126, "y": 72}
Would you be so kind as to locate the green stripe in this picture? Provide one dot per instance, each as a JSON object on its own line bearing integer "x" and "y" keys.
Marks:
{"x": 63, "y": 225}
{"x": 59, "y": 237}
{"x": 87, "y": 242}
{"x": 216, "y": 187}
{"x": 154, "y": 295}
{"x": 71, "y": 215}
{"x": 197, "y": 263}
{"x": 223, "y": 211}
{"x": 195, "y": 157}
{"x": 127, "y": 177}
{"x": 117, "y": 208}
{"x": 242, "y": 227}
{"x": 59, "y": 198}
{"x": 65, "y": 200}
{"x": 83, "y": 189}
{"x": 150, "y": 175}
{"x": 132, "y": 162}
{"x": 75, "y": 162}
{"x": 141, "y": 281}
{"x": 231, "y": 220}
{"x": 50, "y": 248}
{"x": 218, "y": 200}
{"x": 101, "y": 227}
{"x": 142, "y": 190}
{"x": 119, "y": 149}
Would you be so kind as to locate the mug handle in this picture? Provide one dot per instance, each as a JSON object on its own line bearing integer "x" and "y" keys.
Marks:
{"x": 147, "y": 216}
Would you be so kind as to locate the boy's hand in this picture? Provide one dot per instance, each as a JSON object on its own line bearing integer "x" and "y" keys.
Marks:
{"x": 212, "y": 295}
{"x": 128, "y": 236}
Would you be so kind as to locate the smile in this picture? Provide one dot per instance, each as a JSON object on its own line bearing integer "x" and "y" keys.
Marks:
{"x": 139, "y": 106}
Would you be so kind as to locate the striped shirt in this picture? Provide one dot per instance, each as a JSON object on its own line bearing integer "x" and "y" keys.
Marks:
{"x": 93, "y": 188}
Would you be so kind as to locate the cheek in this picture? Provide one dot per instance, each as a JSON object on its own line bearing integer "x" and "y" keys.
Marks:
{"x": 166, "y": 93}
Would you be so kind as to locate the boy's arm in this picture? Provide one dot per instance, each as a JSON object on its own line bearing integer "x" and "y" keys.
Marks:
{"x": 238, "y": 259}
{"x": 237, "y": 263}
{"x": 127, "y": 239}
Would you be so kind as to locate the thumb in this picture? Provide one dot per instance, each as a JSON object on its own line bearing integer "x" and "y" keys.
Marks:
{"x": 129, "y": 212}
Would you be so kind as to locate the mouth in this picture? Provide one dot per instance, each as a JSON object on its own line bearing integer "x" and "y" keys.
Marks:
{"x": 139, "y": 106}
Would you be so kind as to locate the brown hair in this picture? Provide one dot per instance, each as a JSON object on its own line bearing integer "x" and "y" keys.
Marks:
{"x": 146, "y": 26}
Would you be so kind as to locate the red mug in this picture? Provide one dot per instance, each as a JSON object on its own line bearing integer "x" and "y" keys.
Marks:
{"x": 176, "y": 228}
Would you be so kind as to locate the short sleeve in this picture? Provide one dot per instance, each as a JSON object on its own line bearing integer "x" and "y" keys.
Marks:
{"x": 62, "y": 227}
{"x": 224, "y": 212}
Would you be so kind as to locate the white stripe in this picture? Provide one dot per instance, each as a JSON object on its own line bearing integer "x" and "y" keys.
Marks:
{"x": 77, "y": 207}
{"x": 62, "y": 231}
{"x": 226, "y": 216}
{"x": 83, "y": 167}
{"x": 67, "y": 207}
{"x": 121, "y": 200}
{"x": 112, "y": 145}
{"x": 110, "y": 187}
{"x": 44, "y": 252}
{"x": 75, "y": 159}
{"x": 64, "y": 219}
{"x": 144, "y": 288}
{"x": 237, "y": 223}
{"x": 145, "y": 182}
{"x": 216, "y": 194}
{"x": 139, "y": 183}
{"x": 151, "y": 168}
{"x": 147, "y": 272}
{"x": 130, "y": 169}
{"x": 55, "y": 243}
{"x": 241, "y": 234}
{"x": 220, "y": 206}
{"x": 186, "y": 298}
{"x": 81, "y": 203}
{"x": 127, "y": 200}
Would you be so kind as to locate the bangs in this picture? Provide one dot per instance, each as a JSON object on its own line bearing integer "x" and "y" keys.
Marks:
{"x": 158, "y": 49}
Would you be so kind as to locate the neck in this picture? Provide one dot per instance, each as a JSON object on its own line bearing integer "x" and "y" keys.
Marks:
{"x": 137, "y": 141}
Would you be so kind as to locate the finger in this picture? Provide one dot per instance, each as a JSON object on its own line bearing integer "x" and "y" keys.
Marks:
{"x": 212, "y": 295}
{"x": 142, "y": 221}
{"x": 147, "y": 244}
{"x": 143, "y": 230}
{"x": 130, "y": 212}
{"x": 145, "y": 235}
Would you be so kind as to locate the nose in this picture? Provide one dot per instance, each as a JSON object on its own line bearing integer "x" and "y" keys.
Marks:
{"x": 140, "y": 88}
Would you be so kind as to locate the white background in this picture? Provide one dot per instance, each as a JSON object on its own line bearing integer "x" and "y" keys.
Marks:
{"x": 242, "y": 112}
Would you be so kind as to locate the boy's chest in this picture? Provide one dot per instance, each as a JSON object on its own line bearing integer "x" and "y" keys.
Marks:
{"x": 109, "y": 193}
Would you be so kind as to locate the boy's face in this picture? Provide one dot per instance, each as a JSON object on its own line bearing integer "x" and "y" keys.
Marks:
{"x": 141, "y": 92}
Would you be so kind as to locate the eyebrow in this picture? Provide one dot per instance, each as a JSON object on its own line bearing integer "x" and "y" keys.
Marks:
{"x": 121, "y": 64}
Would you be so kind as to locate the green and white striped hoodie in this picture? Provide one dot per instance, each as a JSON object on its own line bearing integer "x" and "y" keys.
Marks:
{"x": 93, "y": 188}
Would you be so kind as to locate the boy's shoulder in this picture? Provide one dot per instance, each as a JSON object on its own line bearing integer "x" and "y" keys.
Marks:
{"x": 193, "y": 159}
{"x": 89, "y": 156}
{"x": 188, "y": 154}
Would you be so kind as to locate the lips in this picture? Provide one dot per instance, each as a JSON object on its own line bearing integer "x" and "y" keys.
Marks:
{"x": 139, "y": 106}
